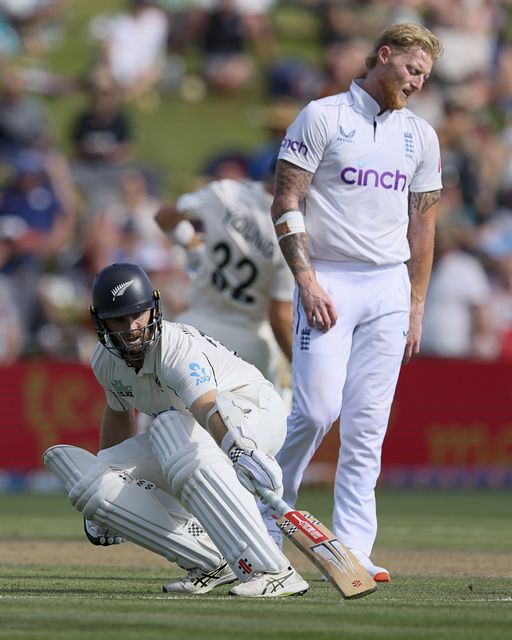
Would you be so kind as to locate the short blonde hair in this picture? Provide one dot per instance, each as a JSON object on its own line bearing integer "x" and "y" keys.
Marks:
{"x": 406, "y": 36}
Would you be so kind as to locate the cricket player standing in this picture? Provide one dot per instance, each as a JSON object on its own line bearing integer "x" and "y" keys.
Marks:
{"x": 183, "y": 489}
{"x": 242, "y": 294}
{"x": 357, "y": 194}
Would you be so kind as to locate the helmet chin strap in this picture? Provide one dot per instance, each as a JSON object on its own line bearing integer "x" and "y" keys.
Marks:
{"x": 120, "y": 347}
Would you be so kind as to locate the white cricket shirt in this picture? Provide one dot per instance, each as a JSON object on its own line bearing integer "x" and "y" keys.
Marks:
{"x": 184, "y": 365}
{"x": 242, "y": 267}
{"x": 364, "y": 166}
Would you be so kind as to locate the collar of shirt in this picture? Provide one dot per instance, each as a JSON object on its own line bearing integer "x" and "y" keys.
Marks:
{"x": 364, "y": 102}
{"x": 149, "y": 360}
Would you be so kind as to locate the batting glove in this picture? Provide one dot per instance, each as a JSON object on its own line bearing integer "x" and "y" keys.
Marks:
{"x": 253, "y": 466}
{"x": 99, "y": 536}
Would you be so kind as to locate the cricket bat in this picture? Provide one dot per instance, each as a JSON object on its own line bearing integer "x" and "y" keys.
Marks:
{"x": 320, "y": 545}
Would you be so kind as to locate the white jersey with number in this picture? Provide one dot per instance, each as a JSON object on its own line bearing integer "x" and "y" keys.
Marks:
{"x": 184, "y": 365}
{"x": 243, "y": 267}
{"x": 364, "y": 167}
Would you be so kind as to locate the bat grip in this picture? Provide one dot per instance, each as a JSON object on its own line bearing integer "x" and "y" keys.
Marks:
{"x": 272, "y": 499}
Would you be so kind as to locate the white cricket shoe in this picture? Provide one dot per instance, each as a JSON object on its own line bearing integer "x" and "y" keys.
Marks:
{"x": 272, "y": 585}
{"x": 198, "y": 581}
{"x": 379, "y": 574}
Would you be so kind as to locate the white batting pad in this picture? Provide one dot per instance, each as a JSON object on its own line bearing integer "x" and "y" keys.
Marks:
{"x": 133, "y": 507}
{"x": 204, "y": 480}
{"x": 68, "y": 463}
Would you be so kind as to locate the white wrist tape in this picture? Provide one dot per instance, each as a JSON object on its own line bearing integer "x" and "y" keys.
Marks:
{"x": 289, "y": 223}
{"x": 183, "y": 233}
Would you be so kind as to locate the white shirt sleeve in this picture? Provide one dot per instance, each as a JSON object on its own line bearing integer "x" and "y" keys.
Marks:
{"x": 428, "y": 174}
{"x": 192, "y": 205}
{"x": 306, "y": 138}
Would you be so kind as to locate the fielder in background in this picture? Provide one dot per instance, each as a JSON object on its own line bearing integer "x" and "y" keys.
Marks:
{"x": 183, "y": 489}
{"x": 357, "y": 194}
{"x": 243, "y": 291}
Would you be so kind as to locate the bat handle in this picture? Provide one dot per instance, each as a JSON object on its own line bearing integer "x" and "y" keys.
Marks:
{"x": 272, "y": 499}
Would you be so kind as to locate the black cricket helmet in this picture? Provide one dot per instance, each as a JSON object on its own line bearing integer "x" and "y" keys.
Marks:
{"x": 119, "y": 290}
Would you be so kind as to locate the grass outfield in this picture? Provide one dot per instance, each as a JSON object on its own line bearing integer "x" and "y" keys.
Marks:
{"x": 449, "y": 553}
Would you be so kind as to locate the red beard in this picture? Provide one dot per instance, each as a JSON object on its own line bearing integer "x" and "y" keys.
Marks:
{"x": 392, "y": 93}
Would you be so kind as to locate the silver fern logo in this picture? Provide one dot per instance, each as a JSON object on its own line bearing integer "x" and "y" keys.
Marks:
{"x": 120, "y": 289}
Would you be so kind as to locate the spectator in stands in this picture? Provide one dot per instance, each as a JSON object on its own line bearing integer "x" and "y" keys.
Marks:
{"x": 102, "y": 142}
{"x": 44, "y": 228}
{"x": 133, "y": 50}
{"x": 22, "y": 119}
{"x": 343, "y": 60}
{"x": 351, "y": 18}
{"x": 11, "y": 338}
{"x": 277, "y": 117}
{"x": 227, "y": 66}
{"x": 227, "y": 32}
{"x": 456, "y": 323}
{"x": 229, "y": 164}
{"x": 36, "y": 22}
{"x": 459, "y": 154}
{"x": 469, "y": 33}
{"x": 495, "y": 243}
{"x": 125, "y": 225}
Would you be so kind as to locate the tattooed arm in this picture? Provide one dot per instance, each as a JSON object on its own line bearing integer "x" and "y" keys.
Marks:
{"x": 291, "y": 186}
{"x": 423, "y": 210}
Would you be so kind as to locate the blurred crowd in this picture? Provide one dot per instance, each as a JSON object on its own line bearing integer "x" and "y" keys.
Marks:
{"x": 65, "y": 215}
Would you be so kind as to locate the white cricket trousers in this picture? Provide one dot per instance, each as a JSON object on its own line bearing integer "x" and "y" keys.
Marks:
{"x": 351, "y": 371}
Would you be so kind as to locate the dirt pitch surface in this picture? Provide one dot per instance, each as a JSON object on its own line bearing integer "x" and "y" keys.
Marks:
{"x": 410, "y": 562}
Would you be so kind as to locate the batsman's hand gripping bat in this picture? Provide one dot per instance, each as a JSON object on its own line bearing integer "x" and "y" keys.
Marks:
{"x": 320, "y": 545}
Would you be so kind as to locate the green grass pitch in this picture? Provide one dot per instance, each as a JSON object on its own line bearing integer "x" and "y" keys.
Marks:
{"x": 449, "y": 553}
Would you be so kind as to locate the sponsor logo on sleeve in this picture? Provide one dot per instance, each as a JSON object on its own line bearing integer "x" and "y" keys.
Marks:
{"x": 297, "y": 146}
{"x": 198, "y": 373}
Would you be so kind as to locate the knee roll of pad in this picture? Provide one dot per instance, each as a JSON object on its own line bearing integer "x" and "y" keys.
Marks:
{"x": 132, "y": 507}
{"x": 85, "y": 478}
{"x": 181, "y": 446}
{"x": 68, "y": 463}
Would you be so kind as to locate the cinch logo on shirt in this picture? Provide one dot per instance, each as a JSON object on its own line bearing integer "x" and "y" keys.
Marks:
{"x": 295, "y": 145}
{"x": 372, "y": 178}
{"x": 199, "y": 373}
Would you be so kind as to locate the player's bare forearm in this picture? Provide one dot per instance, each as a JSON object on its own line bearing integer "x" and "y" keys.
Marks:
{"x": 168, "y": 217}
{"x": 423, "y": 210}
{"x": 116, "y": 426}
{"x": 214, "y": 424}
{"x": 295, "y": 251}
{"x": 291, "y": 186}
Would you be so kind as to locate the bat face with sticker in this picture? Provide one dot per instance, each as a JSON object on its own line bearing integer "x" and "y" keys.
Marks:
{"x": 337, "y": 563}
